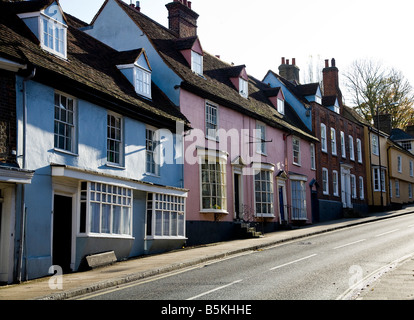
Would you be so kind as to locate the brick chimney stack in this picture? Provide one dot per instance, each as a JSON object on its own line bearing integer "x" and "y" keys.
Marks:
{"x": 331, "y": 81}
{"x": 289, "y": 71}
{"x": 182, "y": 19}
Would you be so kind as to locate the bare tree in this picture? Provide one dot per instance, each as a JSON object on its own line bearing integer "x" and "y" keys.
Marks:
{"x": 370, "y": 86}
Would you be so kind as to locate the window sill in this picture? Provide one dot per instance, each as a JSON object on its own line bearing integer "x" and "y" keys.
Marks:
{"x": 214, "y": 211}
{"x": 115, "y": 165}
{"x": 66, "y": 152}
{"x": 264, "y": 215}
{"x": 165, "y": 238}
{"x": 105, "y": 236}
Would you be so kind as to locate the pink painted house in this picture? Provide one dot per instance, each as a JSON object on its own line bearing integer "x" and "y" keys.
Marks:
{"x": 249, "y": 156}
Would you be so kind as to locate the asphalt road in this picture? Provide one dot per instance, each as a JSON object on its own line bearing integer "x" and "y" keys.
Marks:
{"x": 322, "y": 267}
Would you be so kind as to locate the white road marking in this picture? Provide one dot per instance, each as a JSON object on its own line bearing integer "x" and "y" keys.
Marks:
{"x": 286, "y": 264}
{"x": 383, "y": 234}
{"x": 214, "y": 290}
{"x": 349, "y": 244}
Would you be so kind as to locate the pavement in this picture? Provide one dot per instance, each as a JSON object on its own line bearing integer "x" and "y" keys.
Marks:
{"x": 395, "y": 283}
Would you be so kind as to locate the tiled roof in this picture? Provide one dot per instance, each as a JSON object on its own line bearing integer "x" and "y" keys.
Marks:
{"x": 89, "y": 69}
{"x": 215, "y": 83}
{"x": 309, "y": 89}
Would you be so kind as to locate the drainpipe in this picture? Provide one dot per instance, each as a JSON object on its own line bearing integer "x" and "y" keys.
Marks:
{"x": 370, "y": 165}
{"x": 24, "y": 166}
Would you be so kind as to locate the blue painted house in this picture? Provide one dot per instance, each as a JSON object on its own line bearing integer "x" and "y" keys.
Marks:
{"x": 98, "y": 153}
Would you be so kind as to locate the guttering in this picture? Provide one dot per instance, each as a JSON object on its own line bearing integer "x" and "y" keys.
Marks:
{"x": 24, "y": 166}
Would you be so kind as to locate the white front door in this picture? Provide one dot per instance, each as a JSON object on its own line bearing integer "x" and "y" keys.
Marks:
{"x": 346, "y": 187}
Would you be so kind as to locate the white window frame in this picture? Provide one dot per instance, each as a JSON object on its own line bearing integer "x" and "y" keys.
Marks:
{"x": 261, "y": 138}
{"x": 361, "y": 188}
{"x": 142, "y": 82}
{"x": 264, "y": 198}
{"x": 399, "y": 164}
{"x": 324, "y": 140}
{"x": 353, "y": 187}
{"x": 390, "y": 186}
{"x": 411, "y": 164}
{"x": 196, "y": 63}
{"x": 375, "y": 144}
{"x": 165, "y": 218}
{"x": 298, "y": 196}
{"x": 333, "y": 141}
{"x": 152, "y": 156}
{"x": 243, "y": 88}
{"x": 65, "y": 123}
{"x": 296, "y": 151}
{"x": 359, "y": 150}
{"x": 52, "y": 27}
{"x": 325, "y": 181}
{"x": 99, "y": 196}
{"x": 335, "y": 183}
{"x": 117, "y": 140}
{"x": 313, "y": 156}
{"x": 211, "y": 120}
{"x": 410, "y": 191}
{"x": 351, "y": 148}
{"x": 343, "y": 145}
{"x": 281, "y": 106}
{"x": 376, "y": 177}
{"x": 216, "y": 164}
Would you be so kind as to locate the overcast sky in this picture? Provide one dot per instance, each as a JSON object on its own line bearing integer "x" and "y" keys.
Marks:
{"x": 259, "y": 33}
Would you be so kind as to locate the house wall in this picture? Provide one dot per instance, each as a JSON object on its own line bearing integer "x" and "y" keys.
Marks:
{"x": 374, "y": 197}
{"x": 405, "y": 178}
{"x": 330, "y": 205}
{"x": 90, "y": 156}
{"x": 208, "y": 227}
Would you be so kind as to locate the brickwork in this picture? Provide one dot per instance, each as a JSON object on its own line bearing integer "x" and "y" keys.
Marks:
{"x": 7, "y": 116}
{"x": 182, "y": 20}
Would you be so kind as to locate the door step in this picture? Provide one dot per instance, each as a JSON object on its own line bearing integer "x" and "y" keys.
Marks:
{"x": 247, "y": 231}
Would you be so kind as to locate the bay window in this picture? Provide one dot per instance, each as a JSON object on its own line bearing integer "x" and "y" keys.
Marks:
{"x": 165, "y": 215}
{"x": 263, "y": 187}
{"x": 105, "y": 209}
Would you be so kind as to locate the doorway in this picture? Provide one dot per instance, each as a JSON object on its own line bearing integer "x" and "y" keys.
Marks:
{"x": 62, "y": 232}
{"x": 346, "y": 187}
{"x": 237, "y": 196}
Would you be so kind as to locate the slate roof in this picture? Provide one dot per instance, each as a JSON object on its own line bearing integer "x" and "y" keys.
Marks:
{"x": 400, "y": 135}
{"x": 89, "y": 71}
{"x": 215, "y": 83}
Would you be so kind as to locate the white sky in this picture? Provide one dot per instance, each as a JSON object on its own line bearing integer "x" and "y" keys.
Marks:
{"x": 258, "y": 33}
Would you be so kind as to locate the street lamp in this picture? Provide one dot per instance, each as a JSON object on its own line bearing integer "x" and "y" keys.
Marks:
{"x": 379, "y": 150}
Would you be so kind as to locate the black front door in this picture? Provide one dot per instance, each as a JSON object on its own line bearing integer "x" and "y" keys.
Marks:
{"x": 62, "y": 232}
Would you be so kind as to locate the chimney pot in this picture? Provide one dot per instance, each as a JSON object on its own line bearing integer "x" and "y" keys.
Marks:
{"x": 294, "y": 61}
{"x": 283, "y": 60}
{"x": 326, "y": 63}
{"x": 333, "y": 62}
{"x": 189, "y": 4}
{"x": 287, "y": 61}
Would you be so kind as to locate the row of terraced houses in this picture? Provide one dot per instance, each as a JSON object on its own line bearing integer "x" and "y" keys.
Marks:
{"x": 125, "y": 136}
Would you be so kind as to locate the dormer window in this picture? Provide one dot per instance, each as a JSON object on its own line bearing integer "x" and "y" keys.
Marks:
{"x": 318, "y": 99}
{"x": 49, "y": 25}
{"x": 243, "y": 88}
{"x": 143, "y": 82}
{"x": 135, "y": 66}
{"x": 196, "y": 63}
{"x": 53, "y": 36}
